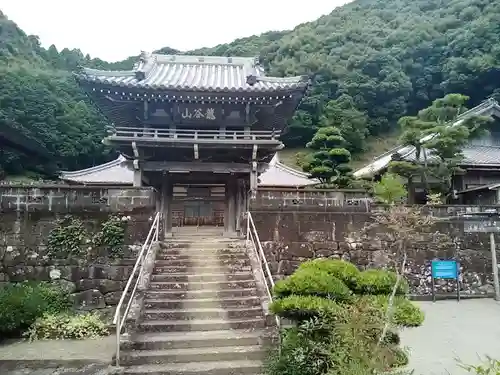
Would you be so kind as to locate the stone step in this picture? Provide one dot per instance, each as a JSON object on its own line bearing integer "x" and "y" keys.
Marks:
{"x": 201, "y": 277}
{"x": 203, "y": 251}
{"x": 200, "y": 325}
{"x": 161, "y": 267}
{"x": 199, "y": 368}
{"x": 187, "y": 355}
{"x": 205, "y": 293}
{"x": 201, "y": 285}
{"x": 195, "y": 258}
{"x": 203, "y": 313}
{"x": 199, "y": 339}
{"x": 201, "y": 303}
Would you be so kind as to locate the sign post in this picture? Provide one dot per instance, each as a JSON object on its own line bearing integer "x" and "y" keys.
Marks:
{"x": 487, "y": 222}
{"x": 445, "y": 269}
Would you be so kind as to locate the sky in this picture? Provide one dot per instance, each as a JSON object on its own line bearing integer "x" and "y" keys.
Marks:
{"x": 113, "y": 30}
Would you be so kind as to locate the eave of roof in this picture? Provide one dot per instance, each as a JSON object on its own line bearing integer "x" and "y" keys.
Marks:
{"x": 488, "y": 107}
{"x": 117, "y": 171}
{"x": 480, "y": 188}
{"x": 120, "y": 172}
{"x": 195, "y": 73}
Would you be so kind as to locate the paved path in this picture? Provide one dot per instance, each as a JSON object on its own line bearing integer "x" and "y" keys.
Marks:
{"x": 63, "y": 357}
{"x": 465, "y": 330}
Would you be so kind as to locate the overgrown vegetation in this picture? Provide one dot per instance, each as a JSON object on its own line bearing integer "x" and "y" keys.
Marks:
{"x": 42, "y": 310}
{"x": 372, "y": 62}
{"x": 67, "y": 326}
{"x": 338, "y": 328}
{"x": 70, "y": 237}
{"x": 488, "y": 366}
{"x": 21, "y": 304}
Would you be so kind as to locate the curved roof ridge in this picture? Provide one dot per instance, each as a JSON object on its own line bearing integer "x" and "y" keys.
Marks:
{"x": 292, "y": 170}
{"x": 109, "y": 73}
{"x": 120, "y": 159}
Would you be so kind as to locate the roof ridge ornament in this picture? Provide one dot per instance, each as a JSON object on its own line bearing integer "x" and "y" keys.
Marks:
{"x": 252, "y": 79}
{"x": 140, "y": 71}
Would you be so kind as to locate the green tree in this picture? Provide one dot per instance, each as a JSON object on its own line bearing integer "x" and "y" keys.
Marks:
{"x": 352, "y": 123}
{"x": 390, "y": 189}
{"x": 436, "y": 131}
{"x": 330, "y": 158}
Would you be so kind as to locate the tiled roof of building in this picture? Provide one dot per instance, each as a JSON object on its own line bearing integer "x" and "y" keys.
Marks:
{"x": 488, "y": 108}
{"x": 278, "y": 174}
{"x": 120, "y": 172}
{"x": 474, "y": 155}
{"x": 116, "y": 172}
{"x": 195, "y": 73}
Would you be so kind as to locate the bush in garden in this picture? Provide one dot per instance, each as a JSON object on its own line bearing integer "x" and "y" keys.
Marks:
{"x": 340, "y": 314}
{"x": 406, "y": 313}
{"x": 327, "y": 345}
{"x": 303, "y": 307}
{"x": 313, "y": 282}
{"x": 67, "y": 326}
{"x": 22, "y": 303}
{"x": 345, "y": 271}
{"x": 375, "y": 281}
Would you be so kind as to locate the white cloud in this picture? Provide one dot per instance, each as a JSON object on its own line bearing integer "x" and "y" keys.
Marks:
{"x": 113, "y": 29}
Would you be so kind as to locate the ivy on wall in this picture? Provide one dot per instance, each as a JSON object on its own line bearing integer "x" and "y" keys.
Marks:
{"x": 70, "y": 237}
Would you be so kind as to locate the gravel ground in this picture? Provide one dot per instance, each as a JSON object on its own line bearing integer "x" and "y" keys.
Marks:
{"x": 64, "y": 357}
{"x": 467, "y": 330}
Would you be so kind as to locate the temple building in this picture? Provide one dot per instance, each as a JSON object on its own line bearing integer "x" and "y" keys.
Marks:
{"x": 202, "y": 130}
{"x": 479, "y": 183}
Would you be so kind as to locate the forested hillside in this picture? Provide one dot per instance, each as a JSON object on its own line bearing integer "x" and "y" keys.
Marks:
{"x": 372, "y": 61}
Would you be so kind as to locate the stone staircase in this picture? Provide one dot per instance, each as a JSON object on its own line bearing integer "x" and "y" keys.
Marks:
{"x": 202, "y": 313}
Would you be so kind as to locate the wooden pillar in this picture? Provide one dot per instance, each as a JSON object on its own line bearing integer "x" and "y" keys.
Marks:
{"x": 167, "y": 194}
{"x": 230, "y": 208}
{"x": 138, "y": 177}
{"x": 240, "y": 207}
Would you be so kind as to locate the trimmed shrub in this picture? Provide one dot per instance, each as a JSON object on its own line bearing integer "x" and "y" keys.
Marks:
{"x": 22, "y": 303}
{"x": 67, "y": 326}
{"x": 312, "y": 282}
{"x": 375, "y": 281}
{"x": 304, "y": 307}
{"x": 406, "y": 313}
{"x": 345, "y": 271}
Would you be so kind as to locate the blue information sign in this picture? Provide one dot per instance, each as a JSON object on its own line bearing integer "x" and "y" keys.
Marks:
{"x": 444, "y": 269}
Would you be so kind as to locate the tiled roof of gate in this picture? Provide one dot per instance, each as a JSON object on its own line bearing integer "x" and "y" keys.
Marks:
{"x": 195, "y": 73}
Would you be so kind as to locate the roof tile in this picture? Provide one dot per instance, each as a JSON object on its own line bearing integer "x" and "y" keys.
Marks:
{"x": 199, "y": 73}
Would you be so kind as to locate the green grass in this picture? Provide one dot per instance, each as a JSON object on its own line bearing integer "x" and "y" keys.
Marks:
{"x": 374, "y": 147}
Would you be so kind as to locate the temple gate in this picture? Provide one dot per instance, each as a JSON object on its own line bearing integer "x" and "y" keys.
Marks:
{"x": 199, "y": 129}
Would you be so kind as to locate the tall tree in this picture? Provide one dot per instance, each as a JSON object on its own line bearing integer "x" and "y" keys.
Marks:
{"x": 330, "y": 158}
{"x": 352, "y": 123}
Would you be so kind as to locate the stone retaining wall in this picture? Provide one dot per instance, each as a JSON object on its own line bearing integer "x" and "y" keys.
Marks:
{"x": 290, "y": 237}
{"x": 28, "y": 214}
